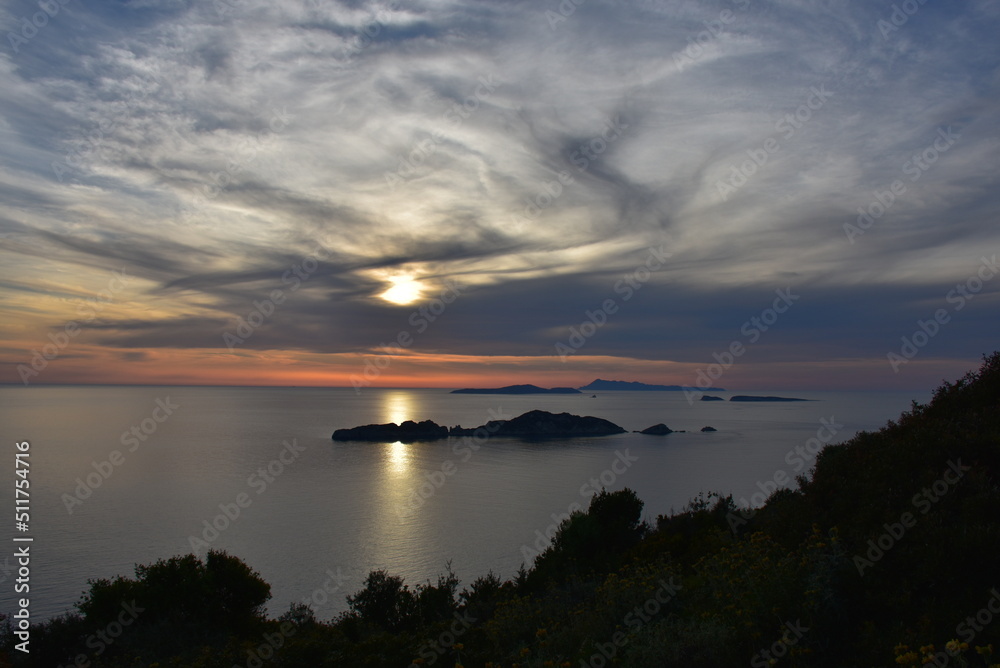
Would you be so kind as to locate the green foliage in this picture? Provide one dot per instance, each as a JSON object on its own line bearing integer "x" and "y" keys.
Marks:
{"x": 384, "y": 602}
{"x": 592, "y": 542}
{"x": 388, "y": 604}
{"x": 220, "y": 594}
{"x": 435, "y": 603}
{"x": 703, "y": 526}
{"x": 172, "y": 608}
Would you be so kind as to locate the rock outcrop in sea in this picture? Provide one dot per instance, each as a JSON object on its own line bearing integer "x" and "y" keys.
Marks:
{"x": 657, "y": 430}
{"x": 517, "y": 389}
{"x": 533, "y": 424}
{"x": 741, "y": 397}
{"x": 633, "y": 386}
{"x": 408, "y": 432}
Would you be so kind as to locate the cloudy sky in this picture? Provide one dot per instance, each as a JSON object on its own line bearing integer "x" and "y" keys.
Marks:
{"x": 269, "y": 191}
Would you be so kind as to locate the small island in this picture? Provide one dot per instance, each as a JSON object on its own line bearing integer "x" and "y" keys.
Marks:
{"x": 740, "y": 397}
{"x": 632, "y": 386}
{"x": 657, "y": 430}
{"x": 533, "y": 424}
{"x": 517, "y": 389}
{"x": 407, "y": 432}
{"x": 709, "y": 397}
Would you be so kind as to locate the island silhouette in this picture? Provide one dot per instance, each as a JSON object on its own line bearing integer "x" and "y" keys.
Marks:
{"x": 533, "y": 424}
{"x": 633, "y": 386}
{"x": 517, "y": 389}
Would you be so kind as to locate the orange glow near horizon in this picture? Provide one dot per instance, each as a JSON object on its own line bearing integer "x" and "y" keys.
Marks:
{"x": 92, "y": 365}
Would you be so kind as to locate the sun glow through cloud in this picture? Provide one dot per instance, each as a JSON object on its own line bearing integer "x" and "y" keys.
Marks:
{"x": 404, "y": 291}
{"x": 469, "y": 191}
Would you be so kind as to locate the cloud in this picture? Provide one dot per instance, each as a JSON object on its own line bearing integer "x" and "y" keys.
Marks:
{"x": 535, "y": 156}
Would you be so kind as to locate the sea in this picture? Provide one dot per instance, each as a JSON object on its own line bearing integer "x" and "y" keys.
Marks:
{"x": 128, "y": 475}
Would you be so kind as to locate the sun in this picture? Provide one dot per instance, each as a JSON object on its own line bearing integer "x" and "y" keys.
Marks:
{"x": 403, "y": 291}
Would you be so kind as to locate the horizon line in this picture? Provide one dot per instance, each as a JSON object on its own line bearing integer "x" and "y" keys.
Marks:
{"x": 427, "y": 387}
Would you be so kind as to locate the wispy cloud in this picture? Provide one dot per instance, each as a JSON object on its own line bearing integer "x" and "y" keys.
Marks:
{"x": 211, "y": 146}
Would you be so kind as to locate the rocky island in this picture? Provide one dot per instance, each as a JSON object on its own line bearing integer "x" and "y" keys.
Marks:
{"x": 517, "y": 389}
{"x": 407, "y": 432}
{"x": 533, "y": 424}
{"x": 657, "y": 430}
{"x": 631, "y": 386}
{"x": 741, "y": 397}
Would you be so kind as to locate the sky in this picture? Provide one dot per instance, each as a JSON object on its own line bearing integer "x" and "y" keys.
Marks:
{"x": 446, "y": 193}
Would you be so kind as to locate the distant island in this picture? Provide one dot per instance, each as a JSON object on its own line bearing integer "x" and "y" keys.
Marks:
{"x": 517, "y": 389}
{"x": 533, "y": 424}
{"x": 632, "y": 386}
{"x": 747, "y": 398}
{"x": 657, "y": 430}
{"x": 709, "y": 397}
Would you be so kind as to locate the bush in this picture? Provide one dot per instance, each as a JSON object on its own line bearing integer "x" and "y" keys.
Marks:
{"x": 385, "y": 601}
{"x": 592, "y": 542}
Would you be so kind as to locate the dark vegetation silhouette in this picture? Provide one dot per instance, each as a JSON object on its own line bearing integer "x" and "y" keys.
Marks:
{"x": 886, "y": 555}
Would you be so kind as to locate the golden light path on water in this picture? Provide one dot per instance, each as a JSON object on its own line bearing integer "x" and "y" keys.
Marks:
{"x": 396, "y": 529}
{"x": 398, "y": 407}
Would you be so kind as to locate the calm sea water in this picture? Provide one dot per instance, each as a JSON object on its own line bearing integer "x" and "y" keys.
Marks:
{"x": 323, "y": 508}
